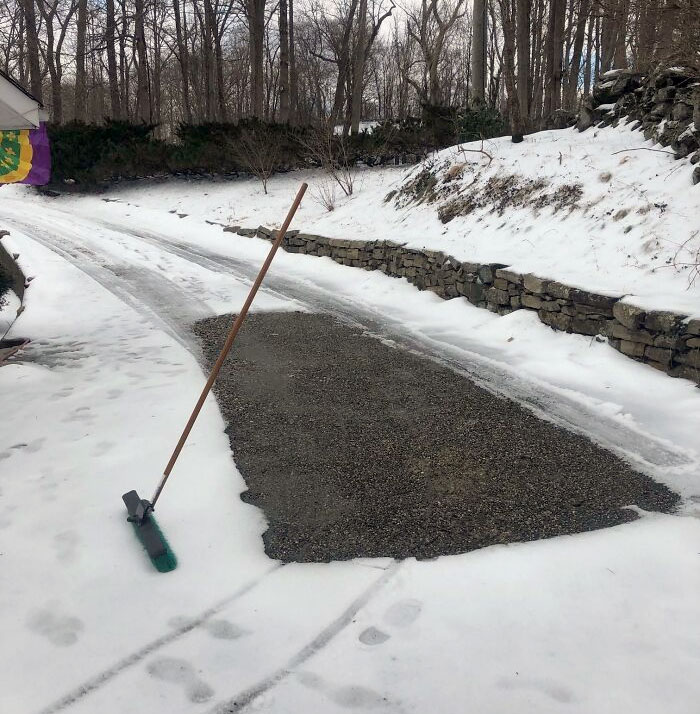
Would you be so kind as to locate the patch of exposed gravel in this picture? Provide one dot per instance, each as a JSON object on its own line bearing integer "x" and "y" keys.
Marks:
{"x": 356, "y": 449}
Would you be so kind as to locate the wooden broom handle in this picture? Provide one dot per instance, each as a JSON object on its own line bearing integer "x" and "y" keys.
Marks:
{"x": 235, "y": 327}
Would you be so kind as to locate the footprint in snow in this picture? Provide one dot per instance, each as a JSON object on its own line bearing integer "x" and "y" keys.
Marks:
{"x": 64, "y": 545}
{"x": 351, "y": 696}
{"x": 550, "y": 688}
{"x": 59, "y": 630}
{"x": 220, "y": 629}
{"x": 400, "y": 614}
{"x": 181, "y": 672}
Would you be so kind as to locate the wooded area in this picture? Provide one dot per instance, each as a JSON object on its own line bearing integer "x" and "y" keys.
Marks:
{"x": 168, "y": 62}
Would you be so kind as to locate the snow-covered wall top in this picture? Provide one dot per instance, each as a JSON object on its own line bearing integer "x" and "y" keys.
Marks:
{"x": 665, "y": 105}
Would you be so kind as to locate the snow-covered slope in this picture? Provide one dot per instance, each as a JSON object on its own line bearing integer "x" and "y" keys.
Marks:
{"x": 604, "y": 210}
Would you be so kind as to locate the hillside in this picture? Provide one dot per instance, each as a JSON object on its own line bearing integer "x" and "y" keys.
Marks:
{"x": 604, "y": 209}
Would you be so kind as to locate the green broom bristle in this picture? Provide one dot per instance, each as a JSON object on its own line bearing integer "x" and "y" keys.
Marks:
{"x": 167, "y": 561}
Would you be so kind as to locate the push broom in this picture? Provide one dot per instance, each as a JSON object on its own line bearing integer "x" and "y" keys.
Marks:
{"x": 141, "y": 510}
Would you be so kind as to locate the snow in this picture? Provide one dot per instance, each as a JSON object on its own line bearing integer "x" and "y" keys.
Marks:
{"x": 605, "y": 621}
{"x": 367, "y": 126}
{"x": 637, "y": 215}
{"x": 612, "y": 73}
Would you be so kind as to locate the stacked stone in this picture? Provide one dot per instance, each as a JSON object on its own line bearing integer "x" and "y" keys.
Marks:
{"x": 665, "y": 340}
{"x": 664, "y": 105}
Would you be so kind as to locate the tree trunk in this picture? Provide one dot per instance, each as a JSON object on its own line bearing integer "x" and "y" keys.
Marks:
{"x": 143, "y": 110}
{"x": 183, "y": 57}
{"x": 648, "y": 19}
{"x": 550, "y": 58}
{"x": 523, "y": 8}
{"x": 479, "y": 25}
{"x": 80, "y": 53}
{"x": 558, "y": 53}
{"x": 358, "y": 69}
{"x": 343, "y": 61}
{"x": 256, "y": 25}
{"x": 293, "y": 78}
{"x": 33, "y": 49}
{"x": 572, "y": 86}
{"x": 509, "y": 70}
{"x": 620, "y": 56}
{"x": 588, "y": 70}
{"x": 110, "y": 27}
{"x": 284, "y": 62}
{"x": 220, "y": 84}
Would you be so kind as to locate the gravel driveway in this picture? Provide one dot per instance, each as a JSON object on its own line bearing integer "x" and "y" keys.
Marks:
{"x": 353, "y": 448}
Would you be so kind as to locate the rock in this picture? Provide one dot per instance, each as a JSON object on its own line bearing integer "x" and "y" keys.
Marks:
{"x": 657, "y": 365}
{"x": 4, "y": 233}
{"x": 692, "y": 327}
{"x": 556, "y": 320}
{"x": 628, "y": 315}
{"x": 691, "y": 359}
{"x": 682, "y": 111}
{"x": 665, "y": 94}
{"x": 676, "y": 76}
{"x": 474, "y": 292}
{"x": 632, "y": 349}
{"x": 232, "y": 229}
{"x": 264, "y": 232}
{"x": 662, "y": 321}
{"x": 247, "y": 232}
{"x": 531, "y": 301}
{"x": 582, "y": 326}
{"x": 487, "y": 273}
{"x": 510, "y": 276}
{"x": 595, "y": 311}
{"x": 497, "y": 297}
{"x": 693, "y": 342}
{"x": 658, "y": 355}
{"x": 587, "y": 117}
{"x": 561, "y": 119}
{"x": 534, "y": 284}
{"x": 685, "y": 372}
{"x": 640, "y": 336}
{"x": 695, "y": 158}
{"x": 558, "y": 290}
{"x": 667, "y": 342}
{"x": 593, "y": 299}
{"x": 611, "y": 88}
{"x": 696, "y": 176}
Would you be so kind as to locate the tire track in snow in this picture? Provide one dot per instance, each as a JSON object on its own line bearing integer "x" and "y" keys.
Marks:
{"x": 100, "y": 680}
{"x": 247, "y": 696}
{"x": 145, "y": 291}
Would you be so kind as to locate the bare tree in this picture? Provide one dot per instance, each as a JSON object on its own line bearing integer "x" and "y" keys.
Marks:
{"x": 32, "y": 31}
{"x": 429, "y": 26}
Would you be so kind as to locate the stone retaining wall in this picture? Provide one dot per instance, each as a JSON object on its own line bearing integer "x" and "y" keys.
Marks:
{"x": 664, "y": 340}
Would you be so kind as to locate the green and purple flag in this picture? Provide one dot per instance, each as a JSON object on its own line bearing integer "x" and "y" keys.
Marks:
{"x": 25, "y": 156}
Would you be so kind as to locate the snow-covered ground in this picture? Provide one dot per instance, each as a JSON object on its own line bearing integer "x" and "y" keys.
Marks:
{"x": 600, "y": 622}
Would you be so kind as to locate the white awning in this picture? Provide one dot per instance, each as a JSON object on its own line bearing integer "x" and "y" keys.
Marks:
{"x": 17, "y": 109}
